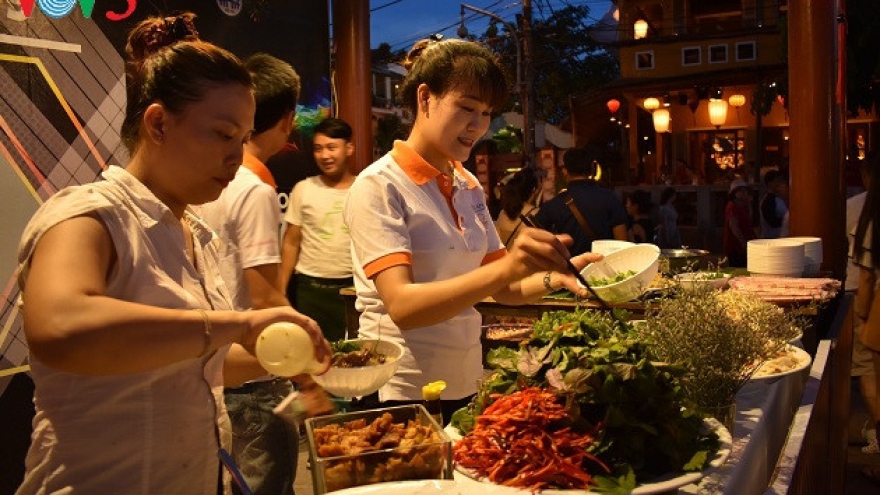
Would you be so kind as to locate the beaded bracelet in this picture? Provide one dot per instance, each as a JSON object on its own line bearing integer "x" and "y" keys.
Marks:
{"x": 207, "y": 333}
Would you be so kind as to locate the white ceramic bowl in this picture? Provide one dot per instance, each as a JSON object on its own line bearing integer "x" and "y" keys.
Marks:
{"x": 608, "y": 246}
{"x": 644, "y": 259}
{"x": 364, "y": 380}
{"x": 702, "y": 281}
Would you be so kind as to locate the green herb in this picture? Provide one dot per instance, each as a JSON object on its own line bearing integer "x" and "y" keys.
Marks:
{"x": 602, "y": 368}
{"x": 720, "y": 337}
{"x": 619, "y": 277}
{"x": 344, "y": 346}
{"x": 709, "y": 275}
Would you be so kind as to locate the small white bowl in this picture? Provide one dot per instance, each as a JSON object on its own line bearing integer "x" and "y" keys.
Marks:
{"x": 702, "y": 281}
{"x": 363, "y": 380}
{"x": 643, "y": 259}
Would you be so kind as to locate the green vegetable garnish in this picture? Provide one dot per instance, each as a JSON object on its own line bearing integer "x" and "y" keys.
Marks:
{"x": 620, "y": 277}
{"x": 645, "y": 426}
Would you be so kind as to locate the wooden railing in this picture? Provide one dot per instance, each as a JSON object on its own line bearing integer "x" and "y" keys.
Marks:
{"x": 813, "y": 460}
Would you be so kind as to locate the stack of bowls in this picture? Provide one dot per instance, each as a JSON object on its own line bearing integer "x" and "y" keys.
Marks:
{"x": 776, "y": 257}
{"x": 812, "y": 254}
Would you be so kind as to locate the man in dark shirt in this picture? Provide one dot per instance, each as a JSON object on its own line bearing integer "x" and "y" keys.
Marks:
{"x": 601, "y": 209}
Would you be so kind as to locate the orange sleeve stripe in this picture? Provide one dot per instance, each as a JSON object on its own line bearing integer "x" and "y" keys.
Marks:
{"x": 494, "y": 256}
{"x": 394, "y": 259}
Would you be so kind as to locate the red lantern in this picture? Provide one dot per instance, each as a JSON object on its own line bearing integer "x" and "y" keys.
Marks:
{"x": 613, "y": 105}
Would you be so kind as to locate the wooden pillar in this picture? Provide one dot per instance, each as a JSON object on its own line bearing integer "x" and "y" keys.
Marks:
{"x": 816, "y": 188}
{"x": 351, "y": 34}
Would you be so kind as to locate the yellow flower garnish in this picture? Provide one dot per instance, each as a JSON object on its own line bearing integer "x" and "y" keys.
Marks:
{"x": 433, "y": 390}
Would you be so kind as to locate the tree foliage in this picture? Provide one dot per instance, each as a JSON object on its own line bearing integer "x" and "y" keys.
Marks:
{"x": 383, "y": 54}
{"x": 566, "y": 59}
{"x": 388, "y": 129}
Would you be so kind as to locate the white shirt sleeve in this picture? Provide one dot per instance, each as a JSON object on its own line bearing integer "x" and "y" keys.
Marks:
{"x": 257, "y": 220}
{"x": 374, "y": 214}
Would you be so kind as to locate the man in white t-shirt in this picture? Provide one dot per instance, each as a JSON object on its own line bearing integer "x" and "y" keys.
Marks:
{"x": 316, "y": 246}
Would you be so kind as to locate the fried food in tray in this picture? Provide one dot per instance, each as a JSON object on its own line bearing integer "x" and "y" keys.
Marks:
{"x": 377, "y": 446}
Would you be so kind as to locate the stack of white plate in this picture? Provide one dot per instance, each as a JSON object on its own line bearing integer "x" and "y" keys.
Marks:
{"x": 812, "y": 254}
{"x": 779, "y": 257}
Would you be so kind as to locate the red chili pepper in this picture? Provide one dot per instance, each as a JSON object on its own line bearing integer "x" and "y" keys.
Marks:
{"x": 523, "y": 440}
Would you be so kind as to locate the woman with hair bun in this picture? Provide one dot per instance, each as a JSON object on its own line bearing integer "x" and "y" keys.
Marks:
{"x": 125, "y": 315}
{"x": 424, "y": 247}
{"x": 517, "y": 199}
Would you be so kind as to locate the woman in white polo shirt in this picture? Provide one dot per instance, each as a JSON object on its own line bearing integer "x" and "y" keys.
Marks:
{"x": 424, "y": 247}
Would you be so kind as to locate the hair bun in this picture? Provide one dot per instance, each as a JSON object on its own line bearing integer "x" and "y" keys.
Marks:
{"x": 418, "y": 48}
{"x": 155, "y": 33}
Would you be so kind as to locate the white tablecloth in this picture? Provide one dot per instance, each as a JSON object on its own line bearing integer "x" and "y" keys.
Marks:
{"x": 764, "y": 414}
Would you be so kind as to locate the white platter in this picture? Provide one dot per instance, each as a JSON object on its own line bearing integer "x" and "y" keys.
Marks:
{"x": 418, "y": 487}
{"x": 470, "y": 483}
{"x": 803, "y": 361}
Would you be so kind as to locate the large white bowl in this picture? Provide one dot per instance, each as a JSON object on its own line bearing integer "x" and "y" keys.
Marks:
{"x": 608, "y": 246}
{"x": 364, "y": 380}
{"x": 644, "y": 259}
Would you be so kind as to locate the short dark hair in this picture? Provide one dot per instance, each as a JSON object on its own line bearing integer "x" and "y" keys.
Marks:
{"x": 642, "y": 200}
{"x": 581, "y": 161}
{"x": 276, "y": 89}
{"x": 334, "y": 128}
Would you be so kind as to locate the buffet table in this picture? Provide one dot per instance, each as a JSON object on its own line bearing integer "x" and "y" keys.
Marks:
{"x": 769, "y": 452}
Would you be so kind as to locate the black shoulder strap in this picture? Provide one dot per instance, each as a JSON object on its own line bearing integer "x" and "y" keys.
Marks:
{"x": 569, "y": 201}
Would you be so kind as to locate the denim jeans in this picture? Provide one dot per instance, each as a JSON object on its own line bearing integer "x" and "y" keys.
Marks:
{"x": 264, "y": 446}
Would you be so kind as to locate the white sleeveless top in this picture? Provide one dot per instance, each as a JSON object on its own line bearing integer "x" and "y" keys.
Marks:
{"x": 143, "y": 433}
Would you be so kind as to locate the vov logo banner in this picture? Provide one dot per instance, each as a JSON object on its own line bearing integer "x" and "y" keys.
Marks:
{"x": 57, "y": 9}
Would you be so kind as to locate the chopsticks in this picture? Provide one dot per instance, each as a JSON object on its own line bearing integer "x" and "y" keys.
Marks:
{"x": 530, "y": 221}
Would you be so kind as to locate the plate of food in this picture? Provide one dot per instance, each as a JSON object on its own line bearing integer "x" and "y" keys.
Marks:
{"x": 580, "y": 406}
{"x": 703, "y": 280}
{"x": 429, "y": 487}
{"x": 470, "y": 481}
{"x": 788, "y": 361}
